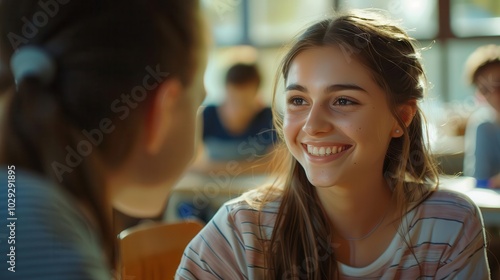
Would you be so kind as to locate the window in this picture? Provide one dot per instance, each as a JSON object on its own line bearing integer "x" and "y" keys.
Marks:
{"x": 225, "y": 17}
{"x": 419, "y": 17}
{"x": 276, "y": 22}
{"x": 475, "y": 17}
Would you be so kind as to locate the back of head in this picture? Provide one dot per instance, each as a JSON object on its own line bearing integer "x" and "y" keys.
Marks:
{"x": 109, "y": 58}
{"x": 481, "y": 58}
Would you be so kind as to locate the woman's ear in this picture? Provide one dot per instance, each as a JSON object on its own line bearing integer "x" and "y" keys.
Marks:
{"x": 160, "y": 116}
{"x": 406, "y": 112}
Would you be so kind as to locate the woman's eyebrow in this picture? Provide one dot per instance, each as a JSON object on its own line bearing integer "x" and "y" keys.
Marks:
{"x": 340, "y": 87}
{"x": 329, "y": 89}
{"x": 296, "y": 87}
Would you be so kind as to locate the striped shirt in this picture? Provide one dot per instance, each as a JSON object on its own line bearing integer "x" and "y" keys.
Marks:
{"x": 48, "y": 237}
{"x": 446, "y": 233}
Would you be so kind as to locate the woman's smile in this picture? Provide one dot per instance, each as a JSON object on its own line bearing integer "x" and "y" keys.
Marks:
{"x": 323, "y": 153}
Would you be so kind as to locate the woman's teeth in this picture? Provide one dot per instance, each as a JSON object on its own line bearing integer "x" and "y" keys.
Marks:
{"x": 325, "y": 151}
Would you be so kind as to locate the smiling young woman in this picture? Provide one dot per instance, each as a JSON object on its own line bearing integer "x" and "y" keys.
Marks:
{"x": 359, "y": 196}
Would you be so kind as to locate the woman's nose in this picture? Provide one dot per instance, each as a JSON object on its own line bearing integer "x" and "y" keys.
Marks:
{"x": 318, "y": 121}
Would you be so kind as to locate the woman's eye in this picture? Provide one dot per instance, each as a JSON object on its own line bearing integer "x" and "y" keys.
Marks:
{"x": 342, "y": 101}
{"x": 297, "y": 101}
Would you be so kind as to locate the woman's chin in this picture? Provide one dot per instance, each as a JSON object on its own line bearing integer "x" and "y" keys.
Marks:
{"x": 322, "y": 181}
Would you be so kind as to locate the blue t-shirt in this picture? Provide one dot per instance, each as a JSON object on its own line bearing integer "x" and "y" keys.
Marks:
{"x": 255, "y": 141}
{"x": 482, "y": 145}
{"x": 487, "y": 151}
{"x": 42, "y": 233}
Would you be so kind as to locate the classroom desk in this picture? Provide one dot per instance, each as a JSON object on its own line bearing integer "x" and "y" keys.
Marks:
{"x": 211, "y": 191}
{"x": 488, "y": 200}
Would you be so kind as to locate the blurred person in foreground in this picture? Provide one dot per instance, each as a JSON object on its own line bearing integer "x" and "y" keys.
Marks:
{"x": 102, "y": 98}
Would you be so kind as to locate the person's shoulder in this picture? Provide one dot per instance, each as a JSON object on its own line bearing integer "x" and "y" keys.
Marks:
{"x": 482, "y": 113}
{"x": 48, "y": 220}
{"x": 251, "y": 203}
{"x": 230, "y": 245}
{"x": 32, "y": 191}
{"x": 38, "y": 197}
{"x": 209, "y": 110}
{"x": 45, "y": 206}
{"x": 452, "y": 214}
{"x": 451, "y": 202}
{"x": 481, "y": 117}
{"x": 248, "y": 211}
{"x": 266, "y": 112}
{"x": 210, "y": 107}
{"x": 211, "y": 122}
{"x": 487, "y": 127}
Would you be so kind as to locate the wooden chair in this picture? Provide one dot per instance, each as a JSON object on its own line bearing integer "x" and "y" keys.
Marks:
{"x": 154, "y": 251}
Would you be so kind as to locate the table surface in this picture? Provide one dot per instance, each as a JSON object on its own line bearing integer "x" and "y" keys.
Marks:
{"x": 234, "y": 185}
{"x": 484, "y": 198}
{"x": 218, "y": 188}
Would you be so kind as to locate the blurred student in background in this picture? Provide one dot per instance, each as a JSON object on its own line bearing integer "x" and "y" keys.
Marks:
{"x": 102, "y": 97}
{"x": 240, "y": 129}
{"x": 482, "y": 141}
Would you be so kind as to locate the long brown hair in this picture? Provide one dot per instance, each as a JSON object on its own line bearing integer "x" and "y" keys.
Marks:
{"x": 300, "y": 243}
{"x": 102, "y": 50}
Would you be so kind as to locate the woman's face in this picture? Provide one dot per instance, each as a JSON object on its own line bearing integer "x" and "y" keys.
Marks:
{"x": 337, "y": 122}
{"x": 181, "y": 142}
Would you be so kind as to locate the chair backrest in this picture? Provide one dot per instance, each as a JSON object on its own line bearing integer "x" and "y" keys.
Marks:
{"x": 154, "y": 251}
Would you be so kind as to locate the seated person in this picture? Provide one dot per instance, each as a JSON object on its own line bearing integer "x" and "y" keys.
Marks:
{"x": 100, "y": 101}
{"x": 352, "y": 202}
{"x": 240, "y": 129}
{"x": 482, "y": 142}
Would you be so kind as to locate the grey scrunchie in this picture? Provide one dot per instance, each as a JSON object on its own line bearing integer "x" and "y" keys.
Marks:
{"x": 33, "y": 61}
